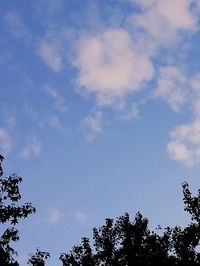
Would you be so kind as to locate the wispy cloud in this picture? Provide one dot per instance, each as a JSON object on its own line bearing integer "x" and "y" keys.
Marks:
{"x": 178, "y": 89}
{"x": 92, "y": 125}
{"x": 9, "y": 119}
{"x": 59, "y": 101}
{"x": 172, "y": 86}
{"x": 56, "y": 47}
{"x": 50, "y": 54}
{"x": 32, "y": 148}
{"x": 15, "y": 25}
{"x": 54, "y": 215}
{"x": 54, "y": 122}
{"x": 195, "y": 95}
{"x": 5, "y": 141}
{"x": 130, "y": 112}
{"x": 81, "y": 217}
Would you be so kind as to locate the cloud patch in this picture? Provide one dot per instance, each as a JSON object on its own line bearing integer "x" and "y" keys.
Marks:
{"x": 110, "y": 67}
{"x": 50, "y": 54}
{"x": 5, "y": 142}
{"x": 32, "y": 148}
{"x": 92, "y": 125}
{"x": 131, "y": 112}
{"x": 15, "y": 25}
{"x": 172, "y": 86}
{"x": 54, "y": 215}
{"x": 81, "y": 217}
{"x": 59, "y": 101}
{"x": 172, "y": 16}
{"x": 114, "y": 63}
{"x": 185, "y": 143}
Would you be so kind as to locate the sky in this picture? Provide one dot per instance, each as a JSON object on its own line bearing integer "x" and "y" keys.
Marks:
{"x": 99, "y": 113}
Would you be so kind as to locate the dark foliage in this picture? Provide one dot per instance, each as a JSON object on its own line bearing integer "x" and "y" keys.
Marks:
{"x": 117, "y": 243}
{"x": 39, "y": 258}
{"x": 131, "y": 243}
{"x": 10, "y": 213}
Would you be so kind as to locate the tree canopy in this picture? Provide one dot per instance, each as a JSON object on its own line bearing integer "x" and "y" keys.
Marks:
{"x": 38, "y": 258}
{"x": 126, "y": 243}
{"x": 10, "y": 213}
{"x": 120, "y": 242}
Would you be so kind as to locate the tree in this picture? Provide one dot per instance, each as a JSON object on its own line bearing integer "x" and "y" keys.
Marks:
{"x": 39, "y": 258}
{"x": 127, "y": 243}
{"x": 10, "y": 213}
{"x": 119, "y": 242}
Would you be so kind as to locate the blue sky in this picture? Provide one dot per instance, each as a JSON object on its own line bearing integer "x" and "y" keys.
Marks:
{"x": 100, "y": 112}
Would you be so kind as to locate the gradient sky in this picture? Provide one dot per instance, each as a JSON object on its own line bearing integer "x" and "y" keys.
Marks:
{"x": 100, "y": 112}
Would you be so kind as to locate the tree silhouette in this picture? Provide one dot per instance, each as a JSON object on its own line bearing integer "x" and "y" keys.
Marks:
{"x": 10, "y": 214}
{"x": 119, "y": 242}
{"x": 38, "y": 258}
{"x": 127, "y": 243}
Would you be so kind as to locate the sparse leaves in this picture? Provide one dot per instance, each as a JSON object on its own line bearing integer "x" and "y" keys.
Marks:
{"x": 10, "y": 213}
{"x": 38, "y": 258}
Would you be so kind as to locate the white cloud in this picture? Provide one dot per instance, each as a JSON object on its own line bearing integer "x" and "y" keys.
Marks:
{"x": 162, "y": 19}
{"x": 169, "y": 9}
{"x": 59, "y": 101}
{"x": 81, "y": 217}
{"x": 49, "y": 52}
{"x": 172, "y": 86}
{"x": 177, "y": 89}
{"x": 179, "y": 152}
{"x": 14, "y": 23}
{"x": 5, "y": 142}
{"x": 54, "y": 215}
{"x": 31, "y": 149}
{"x": 110, "y": 67}
{"x": 92, "y": 124}
{"x": 185, "y": 143}
{"x": 116, "y": 62}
